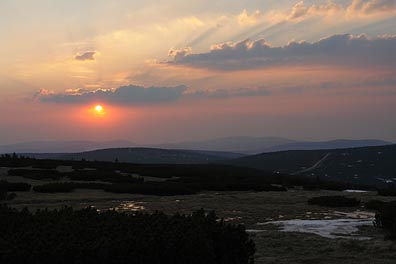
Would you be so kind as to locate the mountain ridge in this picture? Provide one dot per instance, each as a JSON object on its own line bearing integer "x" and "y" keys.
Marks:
{"x": 242, "y": 144}
{"x": 142, "y": 155}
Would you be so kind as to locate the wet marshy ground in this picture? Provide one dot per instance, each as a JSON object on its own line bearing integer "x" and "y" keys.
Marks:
{"x": 284, "y": 227}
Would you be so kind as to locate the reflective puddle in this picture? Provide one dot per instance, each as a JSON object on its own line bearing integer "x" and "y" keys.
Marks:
{"x": 334, "y": 228}
{"x": 129, "y": 206}
{"x": 346, "y": 227}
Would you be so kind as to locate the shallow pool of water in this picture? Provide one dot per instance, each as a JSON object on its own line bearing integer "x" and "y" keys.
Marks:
{"x": 334, "y": 228}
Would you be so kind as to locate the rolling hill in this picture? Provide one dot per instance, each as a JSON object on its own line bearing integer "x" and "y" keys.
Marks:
{"x": 364, "y": 165}
{"x": 332, "y": 144}
{"x": 230, "y": 144}
{"x": 256, "y": 145}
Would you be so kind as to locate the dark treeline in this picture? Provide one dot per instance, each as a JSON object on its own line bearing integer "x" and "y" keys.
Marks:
{"x": 86, "y": 236}
{"x": 6, "y": 186}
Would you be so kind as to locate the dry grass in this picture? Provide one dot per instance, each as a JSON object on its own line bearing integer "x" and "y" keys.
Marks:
{"x": 248, "y": 208}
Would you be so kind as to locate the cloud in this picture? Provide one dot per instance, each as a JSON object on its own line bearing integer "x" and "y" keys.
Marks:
{"x": 229, "y": 93}
{"x": 337, "y": 50}
{"x": 357, "y": 8}
{"x": 138, "y": 95}
{"x": 372, "y": 6}
{"x": 300, "y": 10}
{"x": 249, "y": 19}
{"x": 89, "y": 55}
{"x": 386, "y": 80}
{"x": 125, "y": 95}
{"x": 179, "y": 53}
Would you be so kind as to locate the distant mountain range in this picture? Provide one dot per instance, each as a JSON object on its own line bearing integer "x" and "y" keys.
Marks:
{"x": 63, "y": 146}
{"x": 143, "y": 155}
{"x": 363, "y": 165}
{"x": 245, "y": 145}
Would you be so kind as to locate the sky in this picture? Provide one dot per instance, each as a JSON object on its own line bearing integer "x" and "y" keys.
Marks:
{"x": 172, "y": 70}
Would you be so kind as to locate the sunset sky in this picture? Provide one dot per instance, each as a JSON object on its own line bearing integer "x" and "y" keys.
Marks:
{"x": 173, "y": 70}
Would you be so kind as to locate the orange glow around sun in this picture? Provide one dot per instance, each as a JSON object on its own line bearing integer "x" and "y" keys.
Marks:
{"x": 99, "y": 114}
{"x": 97, "y": 110}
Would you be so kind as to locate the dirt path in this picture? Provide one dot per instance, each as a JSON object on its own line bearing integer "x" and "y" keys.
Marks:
{"x": 317, "y": 164}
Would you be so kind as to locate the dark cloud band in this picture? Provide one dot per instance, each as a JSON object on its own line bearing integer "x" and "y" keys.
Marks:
{"x": 130, "y": 94}
{"x": 138, "y": 95}
{"x": 340, "y": 50}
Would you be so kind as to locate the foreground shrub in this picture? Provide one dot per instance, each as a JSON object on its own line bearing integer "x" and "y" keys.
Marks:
{"x": 106, "y": 176}
{"x": 334, "y": 201}
{"x": 386, "y": 219}
{"x": 374, "y": 204}
{"x": 161, "y": 189}
{"x": 151, "y": 188}
{"x": 331, "y": 186}
{"x": 86, "y": 236}
{"x": 387, "y": 192}
{"x": 35, "y": 174}
{"x": 47, "y": 166}
{"x": 14, "y": 186}
{"x": 4, "y": 196}
{"x": 235, "y": 186}
{"x": 59, "y": 187}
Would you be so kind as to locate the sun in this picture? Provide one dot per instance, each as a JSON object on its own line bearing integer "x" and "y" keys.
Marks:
{"x": 98, "y": 108}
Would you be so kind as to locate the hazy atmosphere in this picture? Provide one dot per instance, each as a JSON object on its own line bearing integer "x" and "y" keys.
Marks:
{"x": 197, "y": 132}
{"x": 171, "y": 71}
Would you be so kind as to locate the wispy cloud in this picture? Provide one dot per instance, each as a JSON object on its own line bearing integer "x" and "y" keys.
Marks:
{"x": 229, "y": 93}
{"x": 249, "y": 19}
{"x": 300, "y": 10}
{"x": 86, "y": 56}
{"x": 355, "y": 9}
{"x": 372, "y": 6}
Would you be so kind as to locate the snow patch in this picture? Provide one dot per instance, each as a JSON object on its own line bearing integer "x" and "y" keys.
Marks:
{"x": 334, "y": 228}
{"x": 355, "y": 191}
